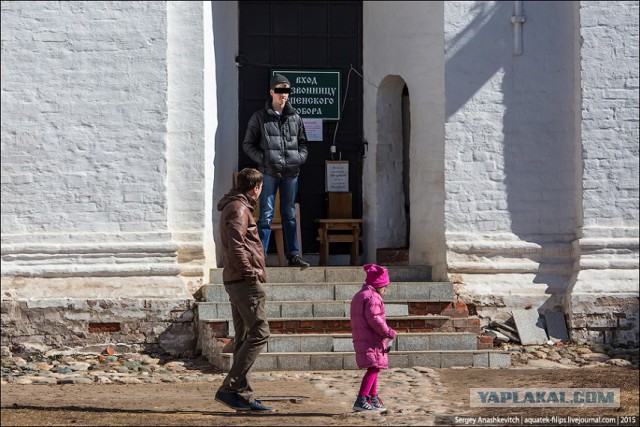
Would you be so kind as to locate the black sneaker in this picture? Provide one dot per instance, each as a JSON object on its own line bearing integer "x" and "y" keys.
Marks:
{"x": 232, "y": 401}
{"x": 257, "y": 406}
{"x": 297, "y": 261}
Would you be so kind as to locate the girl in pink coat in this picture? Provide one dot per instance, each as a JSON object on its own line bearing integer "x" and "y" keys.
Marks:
{"x": 370, "y": 331}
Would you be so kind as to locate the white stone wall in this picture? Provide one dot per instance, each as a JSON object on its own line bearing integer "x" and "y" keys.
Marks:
{"x": 609, "y": 82}
{"x": 104, "y": 167}
{"x": 602, "y": 302}
{"x": 84, "y": 116}
{"x": 512, "y": 135}
{"x": 403, "y": 41}
{"x": 103, "y": 139}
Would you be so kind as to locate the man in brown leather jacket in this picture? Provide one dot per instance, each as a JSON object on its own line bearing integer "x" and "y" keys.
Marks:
{"x": 243, "y": 275}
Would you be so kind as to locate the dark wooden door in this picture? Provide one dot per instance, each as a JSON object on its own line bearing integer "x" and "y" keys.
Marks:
{"x": 306, "y": 35}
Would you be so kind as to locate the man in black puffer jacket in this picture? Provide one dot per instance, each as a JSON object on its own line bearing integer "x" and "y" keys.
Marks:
{"x": 276, "y": 140}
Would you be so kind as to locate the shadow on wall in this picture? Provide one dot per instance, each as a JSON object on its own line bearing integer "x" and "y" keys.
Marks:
{"x": 537, "y": 95}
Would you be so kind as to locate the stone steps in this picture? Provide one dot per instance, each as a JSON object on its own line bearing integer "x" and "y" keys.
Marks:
{"x": 342, "y": 291}
{"x": 209, "y": 311}
{"x": 310, "y": 361}
{"x": 343, "y": 342}
{"x": 308, "y": 311}
{"x": 335, "y": 274}
{"x": 305, "y": 325}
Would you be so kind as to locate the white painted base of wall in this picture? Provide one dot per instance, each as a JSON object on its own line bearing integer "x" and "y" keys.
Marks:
{"x": 495, "y": 295}
{"x": 52, "y": 291}
{"x": 603, "y": 306}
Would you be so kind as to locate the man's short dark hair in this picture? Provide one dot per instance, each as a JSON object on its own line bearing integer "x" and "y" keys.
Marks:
{"x": 247, "y": 179}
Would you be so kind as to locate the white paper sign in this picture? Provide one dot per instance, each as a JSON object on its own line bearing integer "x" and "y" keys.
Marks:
{"x": 337, "y": 176}
{"x": 313, "y": 128}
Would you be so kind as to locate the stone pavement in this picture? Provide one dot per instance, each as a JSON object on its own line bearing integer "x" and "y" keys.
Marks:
{"x": 416, "y": 391}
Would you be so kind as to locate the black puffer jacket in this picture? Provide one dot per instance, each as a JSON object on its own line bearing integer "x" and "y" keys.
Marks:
{"x": 278, "y": 144}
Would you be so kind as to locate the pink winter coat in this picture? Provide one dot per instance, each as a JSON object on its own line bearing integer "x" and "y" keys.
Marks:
{"x": 369, "y": 329}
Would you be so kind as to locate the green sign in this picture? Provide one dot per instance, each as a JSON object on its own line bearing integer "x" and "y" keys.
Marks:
{"x": 314, "y": 93}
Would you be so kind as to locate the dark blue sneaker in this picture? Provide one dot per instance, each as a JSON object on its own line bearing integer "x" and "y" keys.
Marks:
{"x": 376, "y": 402}
{"x": 232, "y": 401}
{"x": 257, "y": 406}
{"x": 361, "y": 404}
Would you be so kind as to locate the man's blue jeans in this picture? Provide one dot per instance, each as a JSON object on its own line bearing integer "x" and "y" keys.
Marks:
{"x": 288, "y": 190}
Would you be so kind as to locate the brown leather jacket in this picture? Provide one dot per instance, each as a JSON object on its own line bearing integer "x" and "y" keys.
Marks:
{"x": 242, "y": 251}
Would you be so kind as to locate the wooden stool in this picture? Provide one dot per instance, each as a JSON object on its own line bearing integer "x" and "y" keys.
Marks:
{"x": 339, "y": 227}
{"x": 326, "y": 227}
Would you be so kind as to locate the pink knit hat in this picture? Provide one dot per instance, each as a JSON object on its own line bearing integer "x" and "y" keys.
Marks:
{"x": 376, "y": 276}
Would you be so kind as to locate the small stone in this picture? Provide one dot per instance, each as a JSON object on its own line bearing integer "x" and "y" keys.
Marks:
{"x": 79, "y": 366}
{"x": 619, "y": 362}
{"x": 595, "y": 357}
{"x": 127, "y": 380}
{"x": 132, "y": 365}
{"x": 583, "y": 350}
{"x": 146, "y": 360}
{"x": 45, "y": 380}
{"x": 19, "y": 361}
{"x": 75, "y": 380}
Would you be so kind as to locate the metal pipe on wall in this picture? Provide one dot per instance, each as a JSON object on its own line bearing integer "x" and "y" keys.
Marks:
{"x": 517, "y": 20}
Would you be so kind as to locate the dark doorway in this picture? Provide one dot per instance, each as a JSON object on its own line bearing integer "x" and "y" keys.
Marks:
{"x": 306, "y": 35}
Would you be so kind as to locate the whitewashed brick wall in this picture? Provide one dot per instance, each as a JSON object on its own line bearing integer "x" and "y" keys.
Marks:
{"x": 403, "y": 43}
{"x": 602, "y": 304}
{"x": 610, "y": 113}
{"x": 84, "y": 116}
{"x": 511, "y": 121}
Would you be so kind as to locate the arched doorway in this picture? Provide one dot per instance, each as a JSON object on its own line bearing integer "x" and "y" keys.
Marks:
{"x": 392, "y": 169}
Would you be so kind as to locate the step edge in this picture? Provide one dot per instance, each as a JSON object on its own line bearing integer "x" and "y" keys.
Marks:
{"x": 344, "y": 353}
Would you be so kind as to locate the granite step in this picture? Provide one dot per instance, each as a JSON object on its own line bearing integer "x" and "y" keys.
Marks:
{"x": 341, "y": 291}
{"x": 324, "y": 343}
{"x": 223, "y": 328}
{"x": 330, "y": 274}
{"x": 314, "y": 309}
{"x": 311, "y": 361}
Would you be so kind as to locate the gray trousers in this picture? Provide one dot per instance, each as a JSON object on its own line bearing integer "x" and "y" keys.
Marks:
{"x": 251, "y": 335}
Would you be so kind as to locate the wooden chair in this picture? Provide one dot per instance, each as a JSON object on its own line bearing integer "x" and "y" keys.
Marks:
{"x": 276, "y": 225}
{"x": 339, "y": 227}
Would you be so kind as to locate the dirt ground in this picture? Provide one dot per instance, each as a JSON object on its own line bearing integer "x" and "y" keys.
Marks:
{"x": 193, "y": 403}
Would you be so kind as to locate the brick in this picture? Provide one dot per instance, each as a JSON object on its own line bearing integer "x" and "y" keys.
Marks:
{"x": 485, "y": 339}
{"x": 104, "y": 327}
